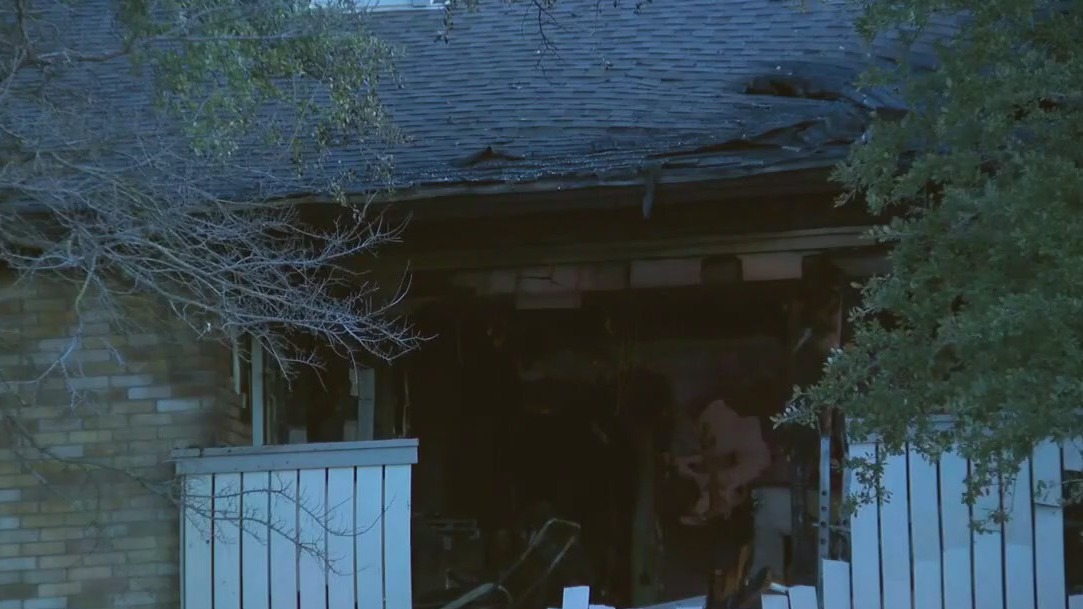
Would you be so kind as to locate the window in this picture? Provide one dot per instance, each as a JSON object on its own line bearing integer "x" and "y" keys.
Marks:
{"x": 241, "y": 375}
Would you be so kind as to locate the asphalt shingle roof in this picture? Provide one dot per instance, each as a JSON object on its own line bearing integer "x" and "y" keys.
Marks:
{"x": 603, "y": 90}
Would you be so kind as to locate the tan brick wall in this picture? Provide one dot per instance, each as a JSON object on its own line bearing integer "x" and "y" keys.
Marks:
{"x": 77, "y": 531}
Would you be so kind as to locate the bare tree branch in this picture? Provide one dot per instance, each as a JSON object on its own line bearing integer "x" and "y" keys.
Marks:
{"x": 144, "y": 159}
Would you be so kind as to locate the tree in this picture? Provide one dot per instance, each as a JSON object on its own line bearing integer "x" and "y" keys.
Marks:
{"x": 981, "y": 316}
{"x": 145, "y": 147}
{"x": 167, "y": 201}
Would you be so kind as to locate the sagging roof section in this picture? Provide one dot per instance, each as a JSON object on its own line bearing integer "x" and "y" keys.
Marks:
{"x": 605, "y": 91}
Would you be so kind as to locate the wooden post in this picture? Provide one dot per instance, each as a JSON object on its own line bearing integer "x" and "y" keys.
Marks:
{"x": 364, "y": 386}
{"x": 260, "y": 415}
{"x": 386, "y": 404}
{"x": 645, "y": 559}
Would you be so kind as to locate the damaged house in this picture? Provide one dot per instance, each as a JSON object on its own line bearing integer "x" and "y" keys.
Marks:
{"x": 620, "y": 214}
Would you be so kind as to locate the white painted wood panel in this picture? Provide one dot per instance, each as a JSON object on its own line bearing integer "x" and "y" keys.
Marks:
{"x": 1015, "y": 565}
{"x": 576, "y": 598}
{"x": 988, "y": 553}
{"x": 955, "y": 533}
{"x": 196, "y": 551}
{"x": 283, "y": 555}
{"x": 1019, "y": 541}
{"x": 286, "y": 532}
{"x": 803, "y": 597}
{"x": 340, "y": 538}
{"x": 865, "y": 543}
{"x": 924, "y": 494}
{"x": 312, "y": 526}
{"x": 255, "y": 540}
{"x": 397, "y": 576}
{"x": 1073, "y": 455}
{"x": 836, "y": 578}
{"x": 895, "y": 535}
{"x": 226, "y": 541}
{"x": 369, "y": 540}
{"x": 1048, "y": 526}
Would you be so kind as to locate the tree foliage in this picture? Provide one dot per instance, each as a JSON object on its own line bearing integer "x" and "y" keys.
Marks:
{"x": 220, "y": 106}
{"x": 981, "y": 316}
{"x": 147, "y": 152}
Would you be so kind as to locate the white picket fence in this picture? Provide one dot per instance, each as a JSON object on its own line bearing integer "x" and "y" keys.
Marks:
{"x": 311, "y": 525}
{"x": 917, "y": 550}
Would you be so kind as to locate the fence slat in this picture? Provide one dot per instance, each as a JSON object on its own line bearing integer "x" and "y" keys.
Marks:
{"x": 988, "y": 557}
{"x": 370, "y": 544}
{"x": 312, "y": 532}
{"x": 1073, "y": 455}
{"x": 1019, "y": 542}
{"x": 397, "y": 577}
{"x": 227, "y": 547}
{"x": 196, "y": 540}
{"x": 955, "y": 533}
{"x": 895, "y": 535}
{"x": 1048, "y": 527}
{"x": 836, "y": 580}
{"x": 283, "y": 553}
{"x": 576, "y": 598}
{"x": 803, "y": 597}
{"x": 865, "y": 542}
{"x": 925, "y": 531}
{"x": 255, "y": 540}
{"x": 340, "y": 538}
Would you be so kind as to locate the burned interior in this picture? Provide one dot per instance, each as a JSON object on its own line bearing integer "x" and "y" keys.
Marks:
{"x": 579, "y": 406}
{"x": 583, "y": 411}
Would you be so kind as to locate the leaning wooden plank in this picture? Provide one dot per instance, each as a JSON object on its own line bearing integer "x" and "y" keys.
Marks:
{"x": 925, "y": 531}
{"x": 895, "y": 534}
{"x": 369, "y": 542}
{"x": 803, "y": 597}
{"x": 227, "y": 541}
{"x": 196, "y": 543}
{"x": 340, "y": 538}
{"x": 283, "y": 553}
{"x": 988, "y": 554}
{"x": 312, "y": 533}
{"x": 1049, "y": 580}
{"x": 864, "y": 542}
{"x": 836, "y": 578}
{"x": 397, "y": 576}
{"x": 255, "y": 539}
{"x": 956, "y": 533}
{"x": 774, "y": 601}
{"x": 1019, "y": 541}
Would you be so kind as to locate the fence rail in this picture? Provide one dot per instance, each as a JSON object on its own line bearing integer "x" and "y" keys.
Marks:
{"x": 313, "y": 525}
